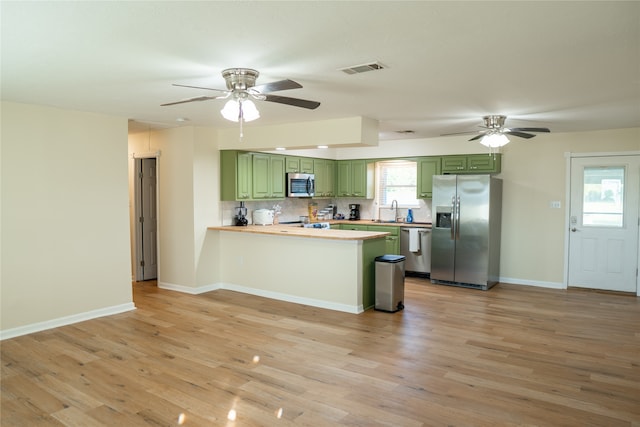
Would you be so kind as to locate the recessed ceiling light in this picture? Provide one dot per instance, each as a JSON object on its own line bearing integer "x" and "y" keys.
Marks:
{"x": 323, "y": 146}
{"x": 280, "y": 148}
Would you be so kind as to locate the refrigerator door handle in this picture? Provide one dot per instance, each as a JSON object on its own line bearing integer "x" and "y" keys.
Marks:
{"x": 453, "y": 217}
{"x": 457, "y": 218}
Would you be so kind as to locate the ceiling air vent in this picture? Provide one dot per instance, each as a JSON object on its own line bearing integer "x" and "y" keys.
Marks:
{"x": 357, "y": 69}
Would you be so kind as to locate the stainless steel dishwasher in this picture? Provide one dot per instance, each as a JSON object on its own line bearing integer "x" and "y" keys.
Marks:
{"x": 417, "y": 260}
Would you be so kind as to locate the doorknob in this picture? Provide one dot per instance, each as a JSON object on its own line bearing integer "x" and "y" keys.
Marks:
{"x": 574, "y": 229}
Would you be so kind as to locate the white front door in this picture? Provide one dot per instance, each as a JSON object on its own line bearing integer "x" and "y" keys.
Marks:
{"x": 603, "y": 222}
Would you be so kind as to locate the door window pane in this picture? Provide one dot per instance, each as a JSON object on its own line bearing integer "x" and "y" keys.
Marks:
{"x": 603, "y": 196}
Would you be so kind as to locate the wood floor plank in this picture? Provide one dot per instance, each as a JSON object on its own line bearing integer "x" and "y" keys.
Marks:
{"x": 510, "y": 356}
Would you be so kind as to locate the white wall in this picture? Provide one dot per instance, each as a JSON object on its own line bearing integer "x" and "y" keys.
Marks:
{"x": 188, "y": 198}
{"x": 65, "y": 233}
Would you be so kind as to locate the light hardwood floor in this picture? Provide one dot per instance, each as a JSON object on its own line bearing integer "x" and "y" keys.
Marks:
{"x": 514, "y": 355}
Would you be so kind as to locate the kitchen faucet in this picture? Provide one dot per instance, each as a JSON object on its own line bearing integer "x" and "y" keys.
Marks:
{"x": 396, "y": 203}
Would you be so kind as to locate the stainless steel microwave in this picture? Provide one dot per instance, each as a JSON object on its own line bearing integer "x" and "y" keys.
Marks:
{"x": 301, "y": 184}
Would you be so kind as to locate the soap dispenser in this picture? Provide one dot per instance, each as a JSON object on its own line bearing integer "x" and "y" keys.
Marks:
{"x": 409, "y": 216}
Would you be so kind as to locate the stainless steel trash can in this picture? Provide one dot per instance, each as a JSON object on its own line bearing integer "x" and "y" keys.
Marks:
{"x": 390, "y": 283}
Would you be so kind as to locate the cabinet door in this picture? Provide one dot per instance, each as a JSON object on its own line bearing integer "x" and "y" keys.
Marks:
{"x": 427, "y": 168}
{"x": 321, "y": 177}
{"x": 292, "y": 164}
{"x": 330, "y": 175}
{"x": 306, "y": 165}
{"x": 392, "y": 241}
{"x": 358, "y": 178}
{"x": 344, "y": 178}
{"x": 261, "y": 177}
{"x": 453, "y": 164}
{"x": 484, "y": 163}
{"x": 235, "y": 175}
{"x": 276, "y": 174}
{"x": 244, "y": 176}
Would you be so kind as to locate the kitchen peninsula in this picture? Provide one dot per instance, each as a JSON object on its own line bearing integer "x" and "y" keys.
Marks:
{"x": 324, "y": 268}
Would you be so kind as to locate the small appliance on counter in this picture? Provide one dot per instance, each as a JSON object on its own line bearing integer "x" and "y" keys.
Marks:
{"x": 354, "y": 212}
{"x": 317, "y": 225}
{"x": 263, "y": 217}
{"x": 241, "y": 215}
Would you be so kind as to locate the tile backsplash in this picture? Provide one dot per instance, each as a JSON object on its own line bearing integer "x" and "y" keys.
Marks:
{"x": 292, "y": 209}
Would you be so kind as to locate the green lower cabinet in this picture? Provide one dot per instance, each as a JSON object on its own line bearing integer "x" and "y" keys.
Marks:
{"x": 392, "y": 241}
{"x": 354, "y": 227}
{"x": 371, "y": 249}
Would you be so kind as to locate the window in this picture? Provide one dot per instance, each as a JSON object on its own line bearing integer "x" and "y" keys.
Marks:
{"x": 603, "y": 196}
{"x": 397, "y": 180}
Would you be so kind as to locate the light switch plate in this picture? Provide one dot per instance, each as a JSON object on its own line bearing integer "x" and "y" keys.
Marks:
{"x": 556, "y": 204}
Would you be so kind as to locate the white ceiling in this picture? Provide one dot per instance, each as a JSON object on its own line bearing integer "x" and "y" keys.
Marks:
{"x": 569, "y": 66}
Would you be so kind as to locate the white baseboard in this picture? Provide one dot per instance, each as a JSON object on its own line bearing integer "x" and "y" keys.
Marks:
{"x": 66, "y": 320}
{"x": 262, "y": 293}
{"x": 514, "y": 281}
{"x": 188, "y": 289}
{"x": 354, "y": 309}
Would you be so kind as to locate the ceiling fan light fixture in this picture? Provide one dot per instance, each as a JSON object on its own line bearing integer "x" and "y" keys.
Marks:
{"x": 494, "y": 140}
{"x": 236, "y": 110}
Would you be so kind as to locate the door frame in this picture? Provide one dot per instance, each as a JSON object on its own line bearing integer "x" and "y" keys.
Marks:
{"x": 567, "y": 224}
{"x": 137, "y": 212}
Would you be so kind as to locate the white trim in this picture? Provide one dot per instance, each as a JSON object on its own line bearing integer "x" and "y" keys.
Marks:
{"x": 262, "y": 293}
{"x": 605, "y": 154}
{"x": 145, "y": 155}
{"x": 293, "y": 298}
{"x": 66, "y": 320}
{"x": 188, "y": 289}
{"x": 526, "y": 282}
{"x": 567, "y": 220}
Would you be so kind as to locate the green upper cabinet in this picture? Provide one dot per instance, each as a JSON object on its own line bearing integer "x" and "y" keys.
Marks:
{"x": 472, "y": 163}
{"x": 235, "y": 175}
{"x": 299, "y": 164}
{"x": 324, "y": 171}
{"x": 427, "y": 168}
{"x": 268, "y": 176}
{"x": 355, "y": 178}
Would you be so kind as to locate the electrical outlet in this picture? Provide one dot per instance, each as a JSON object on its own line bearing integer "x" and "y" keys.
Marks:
{"x": 555, "y": 204}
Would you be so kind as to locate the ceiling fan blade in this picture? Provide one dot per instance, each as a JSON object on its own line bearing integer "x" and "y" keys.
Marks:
{"x": 530, "y": 130}
{"x": 520, "y": 134}
{"x": 460, "y": 133}
{"x": 199, "y": 87}
{"x": 296, "y": 102}
{"x": 475, "y": 138}
{"x": 276, "y": 86}
{"x": 197, "y": 98}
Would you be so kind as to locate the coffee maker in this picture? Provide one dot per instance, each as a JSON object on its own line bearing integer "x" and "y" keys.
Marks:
{"x": 241, "y": 215}
{"x": 354, "y": 212}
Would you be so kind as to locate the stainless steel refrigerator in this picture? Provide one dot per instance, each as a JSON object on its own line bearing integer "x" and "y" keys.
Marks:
{"x": 465, "y": 239}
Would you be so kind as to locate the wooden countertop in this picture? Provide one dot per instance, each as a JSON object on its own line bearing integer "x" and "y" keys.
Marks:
{"x": 295, "y": 230}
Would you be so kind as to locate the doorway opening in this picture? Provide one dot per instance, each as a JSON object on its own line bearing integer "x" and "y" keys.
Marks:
{"x": 146, "y": 219}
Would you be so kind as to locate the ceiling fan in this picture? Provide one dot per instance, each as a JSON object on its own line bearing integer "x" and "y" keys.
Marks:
{"x": 242, "y": 89}
{"x": 495, "y": 134}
